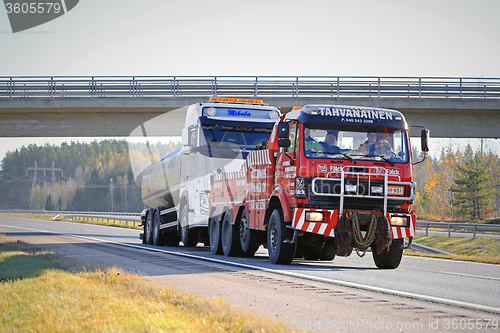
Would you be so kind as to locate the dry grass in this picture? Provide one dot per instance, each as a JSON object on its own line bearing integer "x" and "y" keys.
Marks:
{"x": 478, "y": 249}
{"x": 43, "y": 292}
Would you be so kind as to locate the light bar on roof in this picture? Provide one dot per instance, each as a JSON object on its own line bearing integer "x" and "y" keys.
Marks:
{"x": 241, "y": 100}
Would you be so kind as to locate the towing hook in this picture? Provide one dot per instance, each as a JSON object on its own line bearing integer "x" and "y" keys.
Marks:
{"x": 410, "y": 240}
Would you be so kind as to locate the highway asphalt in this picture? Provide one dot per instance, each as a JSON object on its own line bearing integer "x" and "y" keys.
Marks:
{"x": 463, "y": 284}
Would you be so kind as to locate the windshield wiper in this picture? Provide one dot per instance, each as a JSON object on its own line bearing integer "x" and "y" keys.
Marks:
{"x": 343, "y": 154}
{"x": 384, "y": 158}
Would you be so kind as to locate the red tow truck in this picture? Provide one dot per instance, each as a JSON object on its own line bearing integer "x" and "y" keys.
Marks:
{"x": 330, "y": 179}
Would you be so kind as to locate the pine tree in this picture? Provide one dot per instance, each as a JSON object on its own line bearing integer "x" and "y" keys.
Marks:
{"x": 473, "y": 189}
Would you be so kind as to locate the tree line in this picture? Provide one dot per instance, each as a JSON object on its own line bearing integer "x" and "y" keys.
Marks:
{"x": 460, "y": 184}
{"x": 95, "y": 176}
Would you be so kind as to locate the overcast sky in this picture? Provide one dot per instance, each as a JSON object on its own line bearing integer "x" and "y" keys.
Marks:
{"x": 259, "y": 37}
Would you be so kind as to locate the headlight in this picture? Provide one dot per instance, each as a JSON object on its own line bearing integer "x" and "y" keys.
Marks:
{"x": 204, "y": 201}
{"x": 377, "y": 190}
{"x": 274, "y": 115}
{"x": 399, "y": 221}
{"x": 211, "y": 112}
{"x": 314, "y": 217}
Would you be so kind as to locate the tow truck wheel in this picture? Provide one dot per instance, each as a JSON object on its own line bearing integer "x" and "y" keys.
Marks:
{"x": 249, "y": 238}
{"x": 214, "y": 234}
{"x": 158, "y": 238}
{"x": 189, "y": 236}
{"x": 390, "y": 258}
{"x": 311, "y": 252}
{"x": 230, "y": 237}
{"x": 328, "y": 252}
{"x": 148, "y": 228}
{"x": 279, "y": 252}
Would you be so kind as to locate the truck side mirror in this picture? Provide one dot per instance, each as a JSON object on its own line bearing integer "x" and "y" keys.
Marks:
{"x": 284, "y": 143}
{"x": 283, "y": 130}
{"x": 424, "y": 138}
{"x": 186, "y": 150}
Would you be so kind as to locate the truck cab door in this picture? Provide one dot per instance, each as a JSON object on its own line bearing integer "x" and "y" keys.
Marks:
{"x": 287, "y": 160}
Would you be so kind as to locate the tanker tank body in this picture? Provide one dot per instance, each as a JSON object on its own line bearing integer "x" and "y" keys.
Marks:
{"x": 161, "y": 182}
{"x": 217, "y": 137}
{"x": 160, "y": 189}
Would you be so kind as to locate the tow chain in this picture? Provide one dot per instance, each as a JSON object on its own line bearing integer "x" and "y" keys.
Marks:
{"x": 348, "y": 233}
{"x": 362, "y": 244}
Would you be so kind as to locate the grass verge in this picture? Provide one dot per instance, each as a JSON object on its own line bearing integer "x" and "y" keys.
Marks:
{"x": 43, "y": 292}
{"x": 478, "y": 249}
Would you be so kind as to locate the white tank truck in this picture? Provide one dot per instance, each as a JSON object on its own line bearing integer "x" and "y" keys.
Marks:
{"x": 217, "y": 137}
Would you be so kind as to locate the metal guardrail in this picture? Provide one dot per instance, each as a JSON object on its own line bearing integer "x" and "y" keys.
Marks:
{"x": 254, "y": 86}
{"x": 473, "y": 227}
{"x": 55, "y": 212}
{"x": 428, "y": 249}
{"x": 134, "y": 218}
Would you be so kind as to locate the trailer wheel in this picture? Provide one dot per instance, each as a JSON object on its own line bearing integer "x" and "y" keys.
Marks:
{"x": 390, "y": 258}
{"x": 249, "y": 239}
{"x": 214, "y": 234}
{"x": 158, "y": 238}
{"x": 230, "y": 237}
{"x": 279, "y": 252}
{"x": 148, "y": 229}
{"x": 189, "y": 236}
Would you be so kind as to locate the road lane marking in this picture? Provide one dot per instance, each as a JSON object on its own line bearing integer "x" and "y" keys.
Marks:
{"x": 474, "y": 276}
{"x": 405, "y": 294}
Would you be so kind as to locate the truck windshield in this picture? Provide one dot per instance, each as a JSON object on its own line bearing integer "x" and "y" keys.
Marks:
{"x": 229, "y": 141}
{"x": 357, "y": 143}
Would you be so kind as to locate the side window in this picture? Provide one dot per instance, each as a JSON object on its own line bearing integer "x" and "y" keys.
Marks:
{"x": 291, "y": 137}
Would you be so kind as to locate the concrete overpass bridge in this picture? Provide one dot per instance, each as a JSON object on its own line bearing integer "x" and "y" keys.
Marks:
{"x": 115, "y": 106}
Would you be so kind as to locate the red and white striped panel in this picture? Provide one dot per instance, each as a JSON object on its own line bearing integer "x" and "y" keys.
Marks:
{"x": 259, "y": 157}
{"x": 320, "y": 228}
{"x": 402, "y": 232}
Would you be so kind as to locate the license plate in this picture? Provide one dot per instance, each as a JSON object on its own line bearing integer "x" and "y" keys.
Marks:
{"x": 400, "y": 190}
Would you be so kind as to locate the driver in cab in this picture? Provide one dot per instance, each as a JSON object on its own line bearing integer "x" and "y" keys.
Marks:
{"x": 374, "y": 146}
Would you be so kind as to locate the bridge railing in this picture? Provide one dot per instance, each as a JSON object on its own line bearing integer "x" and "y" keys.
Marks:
{"x": 250, "y": 86}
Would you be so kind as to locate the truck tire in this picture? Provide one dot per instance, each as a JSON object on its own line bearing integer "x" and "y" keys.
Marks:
{"x": 214, "y": 234}
{"x": 158, "y": 238}
{"x": 390, "y": 258}
{"x": 249, "y": 239}
{"x": 279, "y": 252}
{"x": 328, "y": 252}
{"x": 311, "y": 252}
{"x": 230, "y": 237}
{"x": 189, "y": 236}
{"x": 148, "y": 229}
{"x": 172, "y": 239}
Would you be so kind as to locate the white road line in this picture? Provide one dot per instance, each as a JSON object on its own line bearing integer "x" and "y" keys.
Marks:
{"x": 474, "y": 276}
{"x": 298, "y": 275}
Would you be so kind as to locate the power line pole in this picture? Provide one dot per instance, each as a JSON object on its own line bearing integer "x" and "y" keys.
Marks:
{"x": 36, "y": 169}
